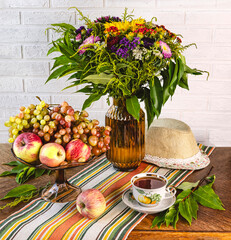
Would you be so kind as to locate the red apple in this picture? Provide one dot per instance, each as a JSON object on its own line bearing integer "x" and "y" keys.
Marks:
{"x": 77, "y": 150}
{"x": 91, "y": 203}
{"x": 52, "y": 154}
{"x": 26, "y": 146}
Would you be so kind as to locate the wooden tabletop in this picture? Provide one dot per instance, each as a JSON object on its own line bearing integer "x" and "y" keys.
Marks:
{"x": 211, "y": 224}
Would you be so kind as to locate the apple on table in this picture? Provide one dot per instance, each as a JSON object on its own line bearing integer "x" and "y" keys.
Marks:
{"x": 91, "y": 203}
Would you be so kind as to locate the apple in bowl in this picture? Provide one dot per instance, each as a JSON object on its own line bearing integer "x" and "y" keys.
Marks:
{"x": 77, "y": 150}
{"x": 91, "y": 203}
{"x": 52, "y": 154}
{"x": 26, "y": 146}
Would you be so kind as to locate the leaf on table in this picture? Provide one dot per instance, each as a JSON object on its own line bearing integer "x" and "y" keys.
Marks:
{"x": 185, "y": 211}
{"x": 208, "y": 198}
{"x": 182, "y": 195}
{"x": 159, "y": 220}
{"x": 39, "y": 172}
{"x": 19, "y": 191}
{"x": 187, "y": 185}
{"x": 170, "y": 215}
{"x": 19, "y": 169}
{"x": 193, "y": 206}
{"x": 14, "y": 163}
{"x": 211, "y": 180}
{"x": 6, "y": 173}
{"x": 176, "y": 219}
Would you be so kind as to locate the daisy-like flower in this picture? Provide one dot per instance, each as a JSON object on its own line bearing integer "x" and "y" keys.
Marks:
{"x": 90, "y": 40}
{"x": 166, "y": 51}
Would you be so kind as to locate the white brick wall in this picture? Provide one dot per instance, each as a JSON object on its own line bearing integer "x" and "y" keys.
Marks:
{"x": 24, "y": 65}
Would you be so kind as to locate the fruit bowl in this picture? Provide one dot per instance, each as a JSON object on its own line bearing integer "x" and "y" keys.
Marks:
{"x": 61, "y": 191}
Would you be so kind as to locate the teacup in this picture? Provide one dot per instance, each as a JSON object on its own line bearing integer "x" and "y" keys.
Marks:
{"x": 149, "y": 189}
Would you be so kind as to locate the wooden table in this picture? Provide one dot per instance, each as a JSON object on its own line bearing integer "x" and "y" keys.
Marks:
{"x": 211, "y": 224}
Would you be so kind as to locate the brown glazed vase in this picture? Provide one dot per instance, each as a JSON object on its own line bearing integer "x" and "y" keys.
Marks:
{"x": 127, "y": 146}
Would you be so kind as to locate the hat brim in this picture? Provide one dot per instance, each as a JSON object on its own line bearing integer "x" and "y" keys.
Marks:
{"x": 196, "y": 162}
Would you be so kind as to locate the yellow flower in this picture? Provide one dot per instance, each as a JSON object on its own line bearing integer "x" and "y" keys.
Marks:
{"x": 125, "y": 25}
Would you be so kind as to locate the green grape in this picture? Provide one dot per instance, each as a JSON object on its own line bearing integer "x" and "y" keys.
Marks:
{"x": 51, "y": 124}
{"x": 39, "y": 117}
{"x": 12, "y": 119}
{"x": 27, "y": 116}
{"x": 7, "y": 123}
{"x": 42, "y": 122}
{"x": 15, "y": 131}
{"x": 34, "y": 120}
{"x": 24, "y": 122}
{"x": 18, "y": 120}
{"x": 44, "y": 112}
{"x": 27, "y": 126}
{"x": 42, "y": 104}
{"x": 11, "y": 140}
{"x": 14, "y": 136}
{"x": 14, "y": 125}
{"x": 38, "y": 107}
{"x": 20, "y": 127}
{"x": 46, "y": 117}
{"x": 36, "y": 112}
{"x": 31, "y": 106}
{"x": 27, "y": 110}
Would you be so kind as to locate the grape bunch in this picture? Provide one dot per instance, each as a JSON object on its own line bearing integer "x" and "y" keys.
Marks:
{"x": 60, "y": 124}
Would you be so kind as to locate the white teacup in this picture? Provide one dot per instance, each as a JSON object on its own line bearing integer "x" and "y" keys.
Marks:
{"x": 149, "y": 189}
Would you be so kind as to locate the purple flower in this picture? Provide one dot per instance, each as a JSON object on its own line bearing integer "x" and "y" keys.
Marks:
{"x": 90, "y": 40}
{"x": 78, "y": 37}
{"x": 80, "y": 29}
{"x": 89, "y": 30}
{"x": 148, "y": 42}
{"x": 166, "y": 51}
{"x": 122, "y": 52}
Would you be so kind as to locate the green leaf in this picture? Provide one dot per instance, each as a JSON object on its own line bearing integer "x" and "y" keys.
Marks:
{"x": 86, "y": 89}
{"x": 211, "y": 180}
{"x": 176, "y": 219}
{"x": 193, "y": 206}
{"x": 170, "y": 215}
{"x": 14, "y": 163}
{"x": 159, "y": 220}
{"x": 188, "y": 185}
{"x": 207, "y": 197}
{"x": 21, "y": 175}
{"x": 183, "y": 83}
{"x": 101, "y": 78}
{"x": 19, "y": 168}
{"x": 51, "y": 50}
{"x": 64, "y": 26}
{"x": 20, "y": 191}
{"x": 193, "y": 71}
{"x": 148, "y": 106}
{"x": 156, "y": 95}
{"x": 185, "y": 211}
{"x": 133, "y": 107}
{"x": 93, "y": 97}
{"x": 181, "y": 69}
{"x": 6, "y": 173}
{"x": 55, "y": 74}
{"x": 183, "y": 195}
{"x": 61, "y": 60}
{"x": 39, "y": 172}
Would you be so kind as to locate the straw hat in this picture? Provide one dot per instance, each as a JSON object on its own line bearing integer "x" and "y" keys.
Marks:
{"x": 170, "y": 143}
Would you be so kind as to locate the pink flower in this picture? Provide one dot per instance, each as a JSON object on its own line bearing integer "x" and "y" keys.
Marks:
{"x": 78, "y": 37}
{"x": 90, "y": 40}
{"x": 165, "y": 49}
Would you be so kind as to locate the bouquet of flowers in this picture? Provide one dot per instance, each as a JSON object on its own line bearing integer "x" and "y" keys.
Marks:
{"x": 124, "y": 58}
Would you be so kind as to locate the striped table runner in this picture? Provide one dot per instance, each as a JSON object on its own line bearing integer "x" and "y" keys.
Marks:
{"x": 45, "y": 220}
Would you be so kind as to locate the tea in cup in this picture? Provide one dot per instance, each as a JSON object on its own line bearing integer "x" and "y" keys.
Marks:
{"x": 149, "y": 189}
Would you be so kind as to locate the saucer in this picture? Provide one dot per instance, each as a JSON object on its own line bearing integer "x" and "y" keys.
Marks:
{"x": 129, "y": 200}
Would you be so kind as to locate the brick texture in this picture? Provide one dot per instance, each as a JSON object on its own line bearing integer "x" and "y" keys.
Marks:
{"x": 24, "y": 65}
